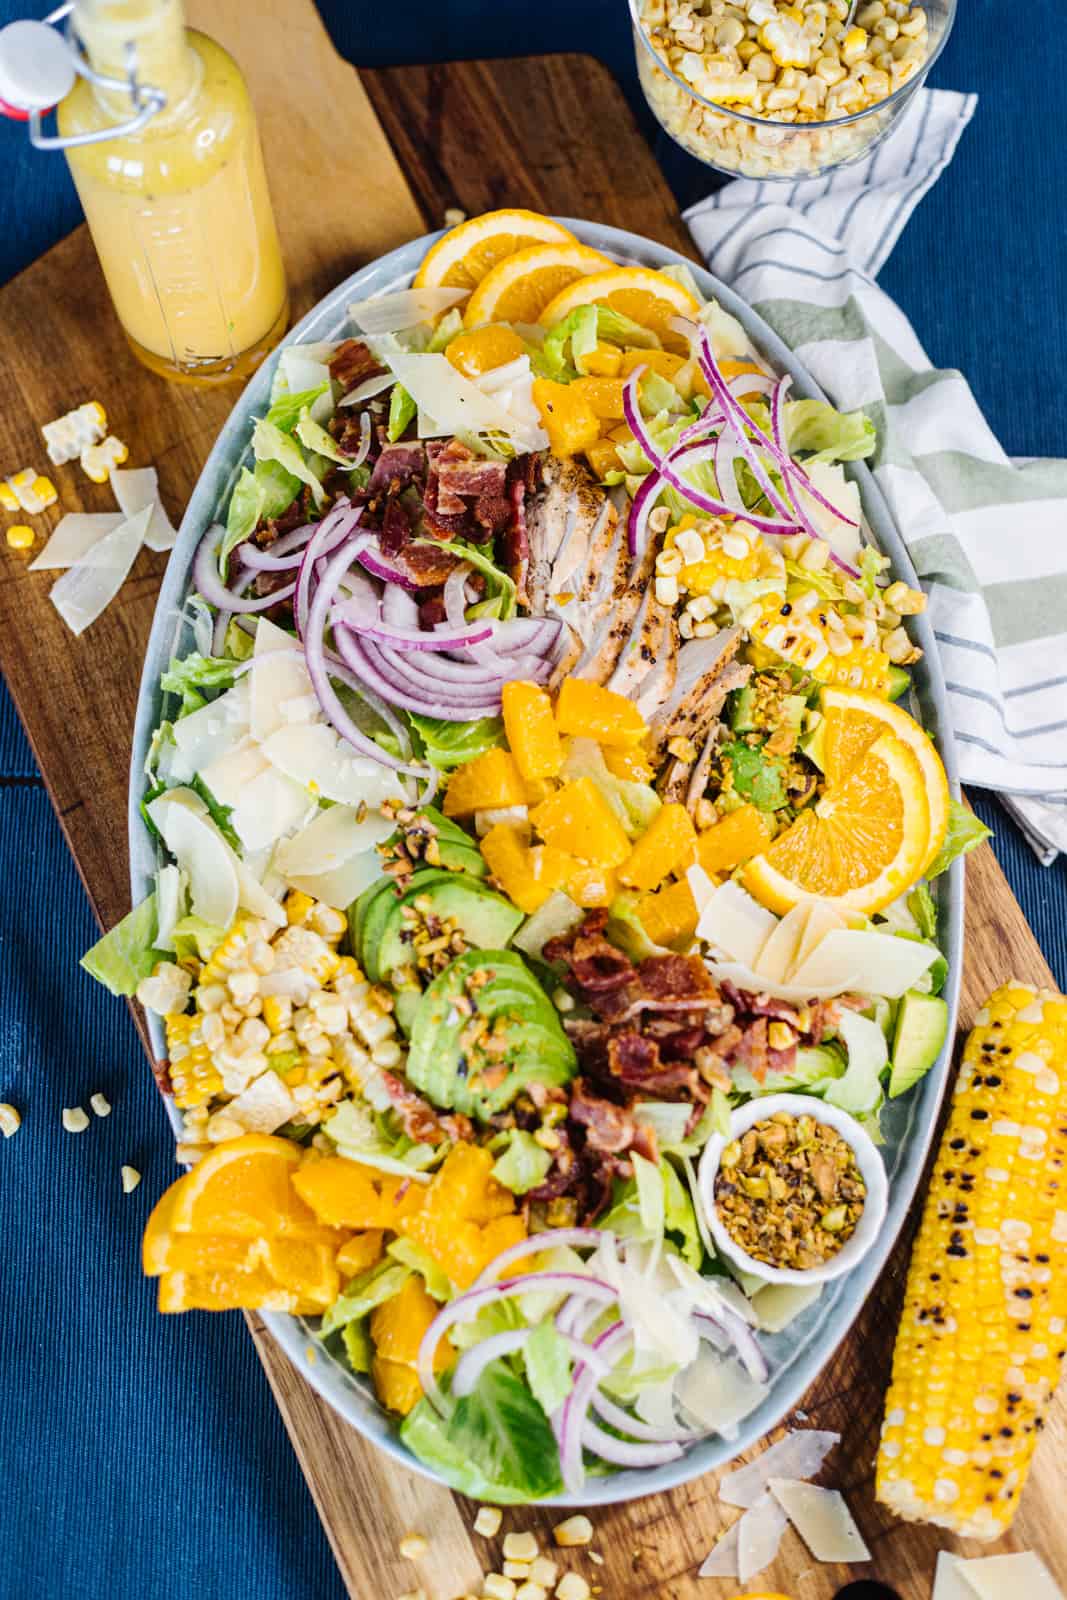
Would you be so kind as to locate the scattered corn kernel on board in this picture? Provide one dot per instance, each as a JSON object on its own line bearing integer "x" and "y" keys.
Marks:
{"x": 555, "y": 135}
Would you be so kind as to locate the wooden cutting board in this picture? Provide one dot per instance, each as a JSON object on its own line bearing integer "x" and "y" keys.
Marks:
{"x": 553, "y": 134}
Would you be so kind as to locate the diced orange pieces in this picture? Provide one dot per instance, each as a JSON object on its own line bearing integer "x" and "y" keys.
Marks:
{"x": 465, "y": 1186}
{"x": 589, "y": 886}
{"x": 508, "y": 858}
{"x": 632, "y": 765}
{"x": 667, "y": 846}
{"x": 397, "y": 1328}
{"x": 589, "y": 711}
{"x": 603, "y": 458}
{"x": 396, "y": 1385}
{"x": 243, "y": 1189}
{"x": 740, "y": 835}
{"x": 531, "y": 731}
{"x": 347, "y": 1194}
{"x": 604, "y": 395}
{"x": 463, "y": 1249}
{"x": 578, "y": 820}
{"x": 669, "y": 916}
{"x": 361, "y": 1252}
{"x": 309, "y": 1270}
{"x": 229, "y": 1291}
{"x": 605, "y": 361}
{"x": 568, "y": 418}
{"x": 491, "y": 782}
{"x": 484, "y": 349}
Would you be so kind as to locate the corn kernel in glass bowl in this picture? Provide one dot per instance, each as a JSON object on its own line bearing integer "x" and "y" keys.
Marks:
{"x": 799, "y": 91}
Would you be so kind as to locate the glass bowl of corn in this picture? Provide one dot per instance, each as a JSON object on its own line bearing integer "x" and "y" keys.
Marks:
{"x": 784, "y": 88}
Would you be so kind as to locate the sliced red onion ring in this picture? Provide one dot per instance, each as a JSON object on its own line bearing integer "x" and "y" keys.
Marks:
{"x": 384, "y": 567}
{"x": 469, "y": 1304}
{"x": 402, "y": 638}
{"x": 320, "y": 542}
{"x": 278, "y": 557}
{"x": 473, "y": 1362}
{"x": 643, "y": 501}
{"x": 750, "y": 383}
{"x": 398, "y": 607}
{"x": 390, "y": 677}
{"x": 381, "y": 708}
{"x": 631, "y": 405}
{"x": 618, "y": 1418}
{"x": 620, "y": 1453}
{"x": 568, "y": 1421}
{"x": 363, "y": 449}
{"x": 215, "y": 592}
{"x": 692, "y": 455}
{"x": 454, "y": 594}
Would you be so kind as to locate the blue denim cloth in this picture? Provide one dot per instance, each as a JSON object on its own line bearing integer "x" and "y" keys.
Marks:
{"x": 143, "y": 1456}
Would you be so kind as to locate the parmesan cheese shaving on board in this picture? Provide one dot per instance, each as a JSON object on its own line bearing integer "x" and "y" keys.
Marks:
{"x": 822, "y": 1520}
{"x": 90, "y": 585}
{"x": 799, "y": 1455}
{"x": 74, "y": 537}
{"x": 721, "y": 1560}
{"x": 1007, "y": 1577}
{"x": 759, "y": 1533}
{"x": 134, "y": 489}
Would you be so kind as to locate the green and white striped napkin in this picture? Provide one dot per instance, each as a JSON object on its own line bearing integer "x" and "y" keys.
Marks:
{"x": 988, "y": 535}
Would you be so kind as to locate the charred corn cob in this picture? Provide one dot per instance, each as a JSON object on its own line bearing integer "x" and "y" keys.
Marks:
{"x": 982, "y": 1335}
{"x": 194, "y": 1078}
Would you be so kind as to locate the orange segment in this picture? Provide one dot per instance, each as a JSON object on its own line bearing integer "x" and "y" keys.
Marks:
{"x": 650, "y": 298}
{"x": 308, "y": 1270}
{"x": 519, "y": 287}
{"x": 347, "y": 1194}
{"x": 223, "y": 1291}
{"x": 361, "y": 1252}
{"x": 861, "y": 845}
{"x": 243, "y": 1190}
{"x": 464, "y": 255}
{"x": 853, "y": 720}
{"x": 484, "y": 349}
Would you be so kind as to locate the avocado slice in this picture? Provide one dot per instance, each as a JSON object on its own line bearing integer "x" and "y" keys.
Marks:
{"x": 484, "y": 918}
{"x": 899, "y": 682}
{"x": 405, "y": 1005}
{"x": 367, "y": 928}
{"x": 919, "y": 1033}
{"x": 463, "y": 858}
{"x": 452, "y": 1072}
{"x": 741, "y": 717}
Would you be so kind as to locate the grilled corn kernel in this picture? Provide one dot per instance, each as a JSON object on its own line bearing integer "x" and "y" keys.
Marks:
{"x": 575, "y": 1531}
{"x": 97, "y": 460}
{"x": 520, "y": 1547}
{"x": 30, "y": 492}
{"x": 75, "y": 1120}
{"x": 10, "y": 1120}
{"x": 413, "y": 1546}
{"x": 130, "y": 1179}
{"x": 101, "y": 1105}
{"x": 488, "y": 1521}
{"x": 67, "y": 436}
{"x": 572, "y": 1586}
{"x": 19, "y": 536}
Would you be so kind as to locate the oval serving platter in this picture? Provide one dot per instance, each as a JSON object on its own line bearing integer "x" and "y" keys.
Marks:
{"x": 798, "y": 1354}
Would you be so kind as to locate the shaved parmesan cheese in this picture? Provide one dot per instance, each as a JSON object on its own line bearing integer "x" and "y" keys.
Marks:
{"x": 778, "y": 955}
{"x": 455, "y": 404}
{"x": 734, "y": 922}
{"x": 874, "y": 963}
{"x": 227, "y": 775}
{"x": 949, "y": 1582}
{"x": 302, "y": 370}
{"x": 391, "y": 313}
{"x": 91, "y": 584}
{"x": 830, "y": 481}
{"x": 368, "y": 389}
{"x": 205, "y": 735}
{"x": 822, "y": 1520}
{"x": 777, "y": 1305}
{"x": 279, "y": 677}
{"x": 1007, "y": 1577}
{"x": 268, "y": 806}
{"x": 330, "y": 839}
{"x": 799, "y": 1455}
{"x": 343, "y": 883}
{"x": 138, "y": 487}
{"x": 721, "y": 1560}
{"x": 265, "y": 1105}
{"x": 202, "y": 854}
{"x": 823, "y": 918}
{"x": 170, "y": 899}
{"x": 717, "y": 1391}
{"x": 315, "y": 757}
{"x": 759, "y": 1533}
{"x": 74, "y": 537}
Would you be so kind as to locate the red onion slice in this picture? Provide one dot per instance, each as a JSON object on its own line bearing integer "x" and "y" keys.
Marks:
{"x": 384, "y": 567}
{"x": 473, "y": 1362}
{"x": 320, "y": 543}
{"x": 640, "y": 509}
{"x": 692, "y": 455}
{"x": 454, "y": 595}
{"x": 618, "y": 1418}
{"x": 620, "y": 1453}
{"x": 535, "y": 1244}
{"x": 215, "y": 592}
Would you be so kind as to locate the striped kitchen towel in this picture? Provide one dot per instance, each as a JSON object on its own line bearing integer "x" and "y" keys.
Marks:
{"x": 988, "y": 535}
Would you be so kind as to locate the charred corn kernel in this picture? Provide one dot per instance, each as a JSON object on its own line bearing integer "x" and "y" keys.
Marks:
{"x": 413, "y": 1546}
{"x": 496, "y": 1587}
{"x": 130, "y": 1179}
{"x": 488, "y": 1521}
{"x": 520, "y": 1547}
{"x": 9, "y": 500}
{"x": 97, "y": 460}
{"x": 519, "y": 1570}
{"x": 575, "y": 1531}
{"x": 572, "y": 1586}
{"x": 981, "y": 1337}
{"x": 19, "y": 536}
{"x": 10, "y": 1120}
{"x": 543, "y": 1571}
{"x": 531, "y": 1591}
{"x": 74, "y": 1119}
{"x": 298, "y": 906}
{"x": 101, "y": 1105}
{"x": 194, "y": 1078}
{"x": 29, "y": 492}
{"x": 816, "y": 641}
{"x": 785, "y": 41}
{"x": 67, "y": 436}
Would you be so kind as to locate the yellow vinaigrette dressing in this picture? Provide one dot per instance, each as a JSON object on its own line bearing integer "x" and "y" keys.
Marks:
{"x": 179, "y": 213}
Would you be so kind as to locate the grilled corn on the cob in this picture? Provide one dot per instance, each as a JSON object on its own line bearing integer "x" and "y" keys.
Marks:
{"x": 982, "y": 1336}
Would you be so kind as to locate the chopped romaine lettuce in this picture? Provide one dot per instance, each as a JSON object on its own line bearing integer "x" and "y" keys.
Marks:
{"x": 871, "y": 564}
{"x": 368, "y": 1290}
{"x": 679, "y": 1217}
{"x": 495, "y": 1444}
{"x": 219, "y": 814}
{"x": 313, "y": 436}
{"x": 658, "y": 394}
{"x": 626, "y": 929}
{"x": 965, "y": 833}
{"x": 372, "y": 1137}
{"x": 195, "y": 673}
{"x": 814, "y": 1068}
{"x": 655, "y": 1207}
{"x": 358, "y": 1345}
{"x": 635, "y": 804}
{"x": 449, "y": 326}
{"x": 127, "y": 954}
{"x": 451, "y": 744}
{"x": 269, "y": 443}
{"x": 650, "y": 1200}
{"x": 266, "y": 491}
{"x": 286, "y": 411}
{"x": 814, "y": 427}
{"x": 859, "y": 1089}
{"x": 523, "y": 1164}
{"x": 409, "y": 1254}
{"x": 548, "y": 1367}
{"x": 921, "y": 905}
{"x": 401, "y": 410}
{"x": 667, "y": 1118}
{"x": 195, "y": 939}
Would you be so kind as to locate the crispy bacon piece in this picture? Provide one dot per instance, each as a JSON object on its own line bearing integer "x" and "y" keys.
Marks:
{"x": 396, "y": 528}
{"x": 397, "y": 466}
{"x": 418, "y": 1118}
{"x": 752, "y": 1052}
{"x": 608, "y": 1127}
{"x": 674, "y": 977}
{"x": 353, "y": 363}
{"x": 516, "y": 551}
{"x": 428, "y": 565}
{"x": 632, "y": 1056}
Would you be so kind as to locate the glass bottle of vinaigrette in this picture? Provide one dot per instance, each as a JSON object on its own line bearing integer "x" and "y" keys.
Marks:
{"x": 179, "y": 212}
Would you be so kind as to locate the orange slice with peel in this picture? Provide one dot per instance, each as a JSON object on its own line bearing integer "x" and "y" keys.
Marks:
{"x": 243, "y": 1190}
{"x": 650, "y": 298}
{"x": 861, "y": 845}
{"x": 520, "y": 287}
{"x": 853, "y": 720}
{"x": 463, "y": 256}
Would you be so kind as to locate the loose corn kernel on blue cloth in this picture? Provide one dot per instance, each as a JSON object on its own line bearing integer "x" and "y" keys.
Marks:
{"x": 143, "y": 1455}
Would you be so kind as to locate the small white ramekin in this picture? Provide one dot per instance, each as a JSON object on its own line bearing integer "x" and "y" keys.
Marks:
{"x": 868, "y": 1161}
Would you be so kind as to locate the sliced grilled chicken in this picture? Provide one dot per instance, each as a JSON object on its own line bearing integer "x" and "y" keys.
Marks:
{"x": 560, "y": 518}
{"x": 706, "y": 674}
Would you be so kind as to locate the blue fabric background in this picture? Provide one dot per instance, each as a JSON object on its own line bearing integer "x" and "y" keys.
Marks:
{"x": 143, "y": 1456}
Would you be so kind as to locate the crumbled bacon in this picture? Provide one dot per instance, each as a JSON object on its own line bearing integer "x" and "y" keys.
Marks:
{"x": 418, "y": 1118}
{"x": 516, "y": 540}
{"x": 397, "y": 466}
{"x": 352, "y": 363}
{"x": 608, "y": 1127}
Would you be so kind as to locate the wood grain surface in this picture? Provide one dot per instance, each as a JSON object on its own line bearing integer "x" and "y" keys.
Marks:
{"x": 554, "y": 134}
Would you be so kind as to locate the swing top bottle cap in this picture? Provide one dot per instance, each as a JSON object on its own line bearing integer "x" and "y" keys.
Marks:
{"x": 36, "y": 70}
